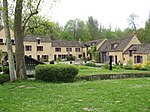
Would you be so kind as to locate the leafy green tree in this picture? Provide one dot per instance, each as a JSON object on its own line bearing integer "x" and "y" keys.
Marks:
{"x": 147, "y": 31}
{"x": 75, "y": 30}
{"x": 43, "y": 27}
{"x": 93, "y": 27}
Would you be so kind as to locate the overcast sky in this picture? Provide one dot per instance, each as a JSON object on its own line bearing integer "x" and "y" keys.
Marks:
{"x": 114, "y": 12}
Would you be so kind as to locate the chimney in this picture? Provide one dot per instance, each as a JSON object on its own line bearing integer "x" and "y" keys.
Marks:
{"x": 134, "y": 33}
{"x": 79, "y": 40}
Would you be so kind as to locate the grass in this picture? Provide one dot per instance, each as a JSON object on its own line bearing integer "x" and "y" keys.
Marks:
{"x": 84, "y": 71}
{"x": 127, "y": 95}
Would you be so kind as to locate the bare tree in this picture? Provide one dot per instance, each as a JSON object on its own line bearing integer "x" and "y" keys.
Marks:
{"x": 132, "y": 20}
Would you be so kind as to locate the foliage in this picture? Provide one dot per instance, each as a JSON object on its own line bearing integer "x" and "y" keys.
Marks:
{"x": 70, "y": 57}
{"x": 137, "y": 67}
{"x": 90, "y": 64}
{"x": 129, "y": 64}
{"x": 43, "y": 27}
{"x": 1, "y": 55}
{"x": 56, "y": 73}
{"x": 106, "y": 65}
{"x": 118, "y": 66}
{"x": 5, "y": 69}
{"x": 93, "y": 27}
{"x": 4, "y": 78}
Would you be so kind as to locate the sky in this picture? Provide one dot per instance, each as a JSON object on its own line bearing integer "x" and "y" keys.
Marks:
{"x": 114, "y": 12}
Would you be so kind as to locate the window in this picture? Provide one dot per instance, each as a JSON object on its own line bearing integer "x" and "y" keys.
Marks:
{"x": 130, "y": 53}
{"x": 28, "y": 48}
{"x": 113, "y": 46}
{"x": 80, "y": 56}
{"x": 68, "y": 49}
{"x": 138, "y": 59}
{"x": 57, "y": 49}
{"x": 45, "y": 57}
{"x": 38, "y": 57}
{"x": 77, "y": 49}
{"x": 30, "y": 56}
{"x": 38, "y": 40}
{"x": 39, "y": 48}
{"x": 13, "y": 42}
{"x": 1, "y": 42}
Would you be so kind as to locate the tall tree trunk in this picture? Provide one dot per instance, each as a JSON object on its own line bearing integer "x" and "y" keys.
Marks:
{"x": 18, "y": 33}
{"x": 8, "y": 42}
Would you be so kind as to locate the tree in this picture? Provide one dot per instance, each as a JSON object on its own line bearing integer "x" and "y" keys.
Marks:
{"x": 147, "y": 30}
{"x": 75, "y": 30}
{"x": 18, "y": 34}
{"x": 43, "y": 27}
{"x": 132, "y": 20}
{"x": 8, "y": 42}
{"x": 93, "y": 27}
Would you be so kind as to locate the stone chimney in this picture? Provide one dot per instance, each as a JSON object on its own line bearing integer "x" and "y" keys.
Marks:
{"x": 134, "y": 33}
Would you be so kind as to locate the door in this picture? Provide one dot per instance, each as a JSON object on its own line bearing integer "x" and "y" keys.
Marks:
{"x": 116, "y": 61}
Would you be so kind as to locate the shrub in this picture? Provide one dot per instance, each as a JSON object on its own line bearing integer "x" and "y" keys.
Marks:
{"x": 56, "y": 73}
{"x": 52, "y": 62}
{"x": 129, "y": 65}
{"x": 5, "y": 69}
{"x": 137, "y": 67}
{"x": 118, "y": 66}
{"x": 4, "y": 78}
{"x": 90, "y": 64}
{"x": 106, "y": 65}
{"x": 0, "y": 69}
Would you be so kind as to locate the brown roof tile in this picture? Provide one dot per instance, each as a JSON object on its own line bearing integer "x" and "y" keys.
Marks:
{"x": 94, "y": 42}
{"x": 35, "y": 38}
{"x": 61, "y": 43}
{"x": 139, "y": 49}
{"x": 120, "y": 43}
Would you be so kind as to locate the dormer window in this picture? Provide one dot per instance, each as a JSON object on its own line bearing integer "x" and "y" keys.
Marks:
{"x": 113, "y": 46}
{"x": 93, "y": 43}
{"x": 38, "y": 40}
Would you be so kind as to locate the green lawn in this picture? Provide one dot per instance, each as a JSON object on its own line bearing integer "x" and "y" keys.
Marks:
{"x": 85, "y": 70}
{"x": 127, "y": 95}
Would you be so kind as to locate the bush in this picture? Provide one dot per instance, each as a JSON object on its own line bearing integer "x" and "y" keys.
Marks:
{"x": 106, "y": 65}
{"x": 4, "y": 78}
{"x": 0, "y": 69}
{"x": 90, "y": 64}
{"x": 137, "y": 67}
{"x": 5, "y": 69}
{"x": 56, "y": 73}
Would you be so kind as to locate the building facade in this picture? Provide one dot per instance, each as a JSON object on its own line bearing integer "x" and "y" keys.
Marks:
{"x": 44, "y": 49}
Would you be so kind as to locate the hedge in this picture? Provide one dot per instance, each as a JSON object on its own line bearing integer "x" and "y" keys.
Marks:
{"x": 4, "y": 78}
{"x": 113, "y": 76}
{"x": 56, "y": 73}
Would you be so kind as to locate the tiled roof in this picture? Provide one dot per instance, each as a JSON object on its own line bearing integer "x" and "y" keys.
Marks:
{"x": 35, "y": 38}
{"x": 61, "y": 43}
{"x": 139, "y": 49}
{"x": 120, "y": 43}
{"x": 94, "y": 42}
